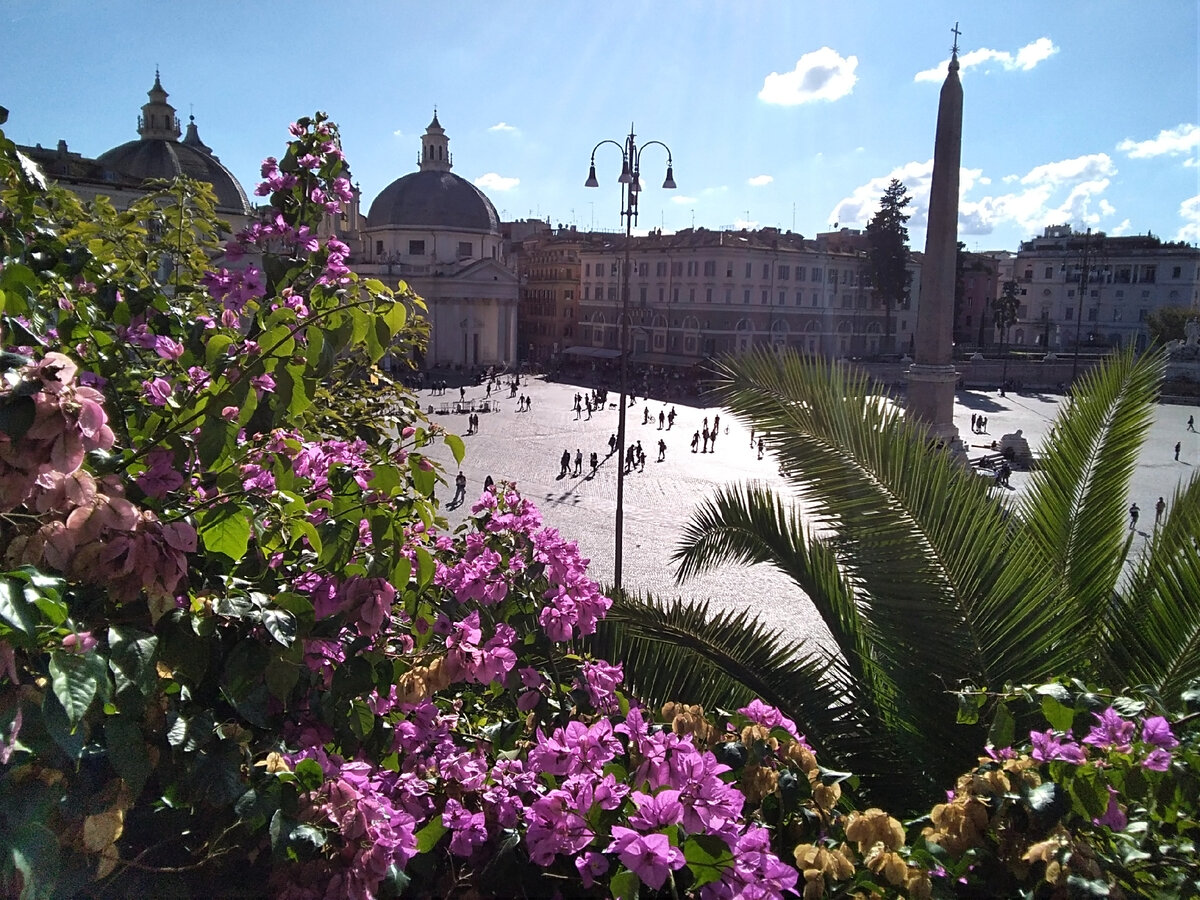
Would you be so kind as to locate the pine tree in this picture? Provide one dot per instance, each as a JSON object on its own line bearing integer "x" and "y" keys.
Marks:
{"x": 887, "y": 251}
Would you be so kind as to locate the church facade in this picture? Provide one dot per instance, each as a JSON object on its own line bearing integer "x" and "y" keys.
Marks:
{"x": 441, "y": 235}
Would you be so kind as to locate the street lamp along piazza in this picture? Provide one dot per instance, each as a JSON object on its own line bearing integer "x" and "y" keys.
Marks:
{"x": 631, "y": 187}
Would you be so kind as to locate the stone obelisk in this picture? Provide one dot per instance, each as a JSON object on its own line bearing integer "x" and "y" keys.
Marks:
{"x": 931, "y": 378}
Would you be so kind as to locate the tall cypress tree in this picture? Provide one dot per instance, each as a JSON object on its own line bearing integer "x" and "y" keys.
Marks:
{"x": 887, "y": 251}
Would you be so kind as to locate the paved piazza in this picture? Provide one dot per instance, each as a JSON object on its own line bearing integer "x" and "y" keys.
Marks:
{"x": 526, "y": 447}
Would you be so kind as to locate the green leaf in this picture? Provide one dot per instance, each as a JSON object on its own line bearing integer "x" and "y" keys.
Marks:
{"x": 76, "y": 681}
{"x": 708, "y": 857}
{"x": 225, "y": 529}
{"x": 16, "y": 415}
{"x": 309, "y": 774}
{"x": 217, "y": 438}
{"x": 1059, "y": 716}
{"x": 428, "y": 836}
{"x": 624, "y": 885}
{"x": 1003, "y": 729}
{"x": 455, "y": 443}
{"x": 396, "y": 316}
{"x": 425, "y": 568}
{"x": 215, "y": 347}
{"x": 127, "y": 751}
{"x": 281, "y": 625}
{"x": 15, "y": 610}
{"x": 362, "y": 719}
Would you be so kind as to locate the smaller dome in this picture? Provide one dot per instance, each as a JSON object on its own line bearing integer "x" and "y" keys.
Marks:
{"x": 434, "y": 200}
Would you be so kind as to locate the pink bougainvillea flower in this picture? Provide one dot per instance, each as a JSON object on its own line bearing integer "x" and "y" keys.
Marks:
{"x": 1111, "y": 732}
{"x": 157, "y": 390}
{"x": 1156, "y": 731}
{"x": 1114, "y": 817}
{"x": 650, "y": 856}
{"x": 1048, "y": 746}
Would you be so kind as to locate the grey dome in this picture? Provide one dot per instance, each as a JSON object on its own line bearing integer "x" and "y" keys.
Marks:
{"x": 434, "y": 199}
{"x": 161, "y": 158}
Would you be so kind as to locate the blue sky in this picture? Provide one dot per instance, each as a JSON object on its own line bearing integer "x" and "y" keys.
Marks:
{"x": 787, "y": 114}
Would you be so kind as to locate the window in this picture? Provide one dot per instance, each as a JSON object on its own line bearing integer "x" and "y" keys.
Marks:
{"x": 799, "y": 298}
{"x": 379, "y": 248}
{"x": 675, "y": 295}
{"x": 614, "y": 270}
{"x": 692, "y": 267}
{"x": 799, "y": 273}
{"x": 708, "y": 295}
{"x": 1177, "y": 271}
{"x": 587, "y": 270}
{"x": 728, "y": 295}
{"x": 845, "y": 301}
{"x": 745, "y": 297}
{"x": 612, "y": 292}
{"x": 1049, "y": 272}
{"x": 710, "y": 268}
{"x": 816, "y": 273}
{"x": 749, "y": 270}
{"x": 676, "y": 269}
{"x": 643, "y": 269}
{"x": 662, "y": 294}
{"x": 642, "y": 295}
{"x": 1143, "y": 313}
{"x": 766, "y": 296}
{"x": 1070, "y": 314}
{"x": 465, "y": 251}
{"x": 766, "y": 270}
{"x": 816, "y": 301}
{"x": 729, "y": 270}
{"x": 783, "y": 298}
{"x": 416, "y": 248}
{"x": 784, "y": 272}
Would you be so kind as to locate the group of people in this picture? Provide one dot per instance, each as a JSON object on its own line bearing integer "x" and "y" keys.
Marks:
{"x": 666, "y": 419}
{"x": 1159, "y": 508}
{"x": 979, "y": 423}
{"x": 706, "y": 435}
{"x": 523, "y": 403}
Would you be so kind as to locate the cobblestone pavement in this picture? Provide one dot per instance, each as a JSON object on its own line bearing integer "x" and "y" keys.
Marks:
{"x": 526, "y": 447}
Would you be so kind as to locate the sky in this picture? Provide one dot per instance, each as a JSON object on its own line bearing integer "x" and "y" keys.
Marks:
{"x": 787, "y": 113}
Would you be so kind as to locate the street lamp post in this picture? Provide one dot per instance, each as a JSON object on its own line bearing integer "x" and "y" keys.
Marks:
{"x": 631, "y": 186}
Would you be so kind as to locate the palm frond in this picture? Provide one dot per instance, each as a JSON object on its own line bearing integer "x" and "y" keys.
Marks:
{"x": 1153, "y": 631}
{"x": 1073, "y": 513}
{"x": 721, "y": 660}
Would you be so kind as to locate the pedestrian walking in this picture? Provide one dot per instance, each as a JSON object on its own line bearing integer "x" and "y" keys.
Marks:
{"x": 641, "y": 457}
{"x": 670, "y": 418}
{"x": 1159, "y": 508}
{"x": 1178, "y": 444}
{"x": 578, "y": 461}
{"x": 1191, "y": 423}
{"x": 462, "y": 393}
{"x": 662, "y": 449}
{"x": 566, "y": 464}
{"x": 460, "y": 488}
{"x": 712, "y": 438}
{"x": 974, "y": 419}
{"x": 1133, "y": 516}
{"x": 645, "y": 415}
{"x": 595, "y": 461}
{"x": 612, "y": 444}
{"x": 704, "y": 437}
{"x": 662, "y": 418}
{"x": 752, "y": 437}
{"x": 695, "y": 441}
{"x": 760, "y": 448}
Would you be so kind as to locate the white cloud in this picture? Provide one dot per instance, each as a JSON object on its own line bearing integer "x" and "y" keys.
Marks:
{"x": 820, "y": 75}
{"x": 1184, "y": 139}
{"x": 682, "y": 200}
{"x": 759, "y": 180}
{"x": 494, "y": 182}
{"x": 398, "y": 133}
{"x": 1023, "y": 60}
{"x": 1189, "y": 210}
{"x": 748, "y": 224}
{"x": 1118, "y": 230}
{"x": 1070, "y": 190}
{"x": 503, "y": 126}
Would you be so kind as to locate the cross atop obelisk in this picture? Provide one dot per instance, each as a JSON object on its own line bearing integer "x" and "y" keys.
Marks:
{"x": 931, "y": 378}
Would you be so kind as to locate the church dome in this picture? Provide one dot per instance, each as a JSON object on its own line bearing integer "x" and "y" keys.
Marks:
{"x": 434, "y": 197}
{"x": 434, "y": 200}
{"x": 158, "y": 153}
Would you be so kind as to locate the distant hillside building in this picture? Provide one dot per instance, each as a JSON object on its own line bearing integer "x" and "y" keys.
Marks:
{"x": 1127, "y": 278}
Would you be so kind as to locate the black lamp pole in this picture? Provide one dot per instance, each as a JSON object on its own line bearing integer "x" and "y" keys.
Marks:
{"x": 1083, "y": 287}
{"x": 631, "y": 186}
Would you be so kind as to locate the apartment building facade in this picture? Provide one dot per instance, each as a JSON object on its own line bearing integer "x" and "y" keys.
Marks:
{"x": 698, "y": 294}
{"x": 1097, "y": 291}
